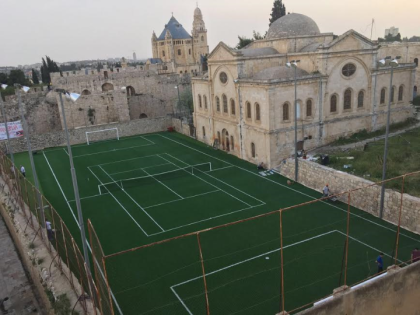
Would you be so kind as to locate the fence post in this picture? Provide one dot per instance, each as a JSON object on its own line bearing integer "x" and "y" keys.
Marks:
{"x": 95, "y": 267}
{"x": 204, "y": 274}
{"x": 107, "y": 286}
{"x": 399, "y": 222}
{"x": 282, "y": 265}
{"x": 347, "y": 238}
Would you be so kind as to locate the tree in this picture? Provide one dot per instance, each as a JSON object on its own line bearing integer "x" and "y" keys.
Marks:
{"x": 17, "y": 76}
{"x": 390, "y": 38}
{"x": 35, "y": 79}
{"x": 3, "y": 78}
{"x": 279, "y": 10}
{"x": 48, "y": 66}
{"x": 245, "y": 41}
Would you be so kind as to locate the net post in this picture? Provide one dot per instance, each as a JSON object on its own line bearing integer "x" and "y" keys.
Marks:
{"x": 204, "y": 274}
{"x": 282, "y": 264}
{"x": 118, "y": 134}
{"x": 347, "y": 237}
{"x": 399, "y": 222}
{"x": 107, "y": 286}
{"x": 87, "y": 138}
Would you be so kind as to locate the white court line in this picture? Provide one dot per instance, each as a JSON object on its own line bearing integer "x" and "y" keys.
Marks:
{"x": 129, "y": 196}
{"x": 88, "y": 197}
{"x": 140, "y": 168}
{"x": 377, "y": 250}
{"x": 119, "y": 161}
{"x": 112, "y": 150}
{"x": 218, "y": 169}
{"x": 116, "y": 199}
{"x": 208, "y": 182}
{"x": 259, "y": 256}
{"x": 66, "y": 151}
{"x": 287, "y": 187}
{"x": 77, "y": 222}
{"x": 262, "y": 202}
{"x": 208, "y": 219}
{"x": 147, "y": 140}
{"x": 163, "y": 184}
{"x": 189, "y": 197}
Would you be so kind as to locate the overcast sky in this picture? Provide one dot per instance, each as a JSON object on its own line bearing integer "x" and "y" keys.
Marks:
{"x": 89, "y": 29}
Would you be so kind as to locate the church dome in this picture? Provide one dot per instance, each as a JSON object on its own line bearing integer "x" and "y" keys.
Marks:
{"x": 197, "y": 11}
{"x": 293, "y": 25}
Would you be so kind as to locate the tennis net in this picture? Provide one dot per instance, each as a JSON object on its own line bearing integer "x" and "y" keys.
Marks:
{"x": 150, "y": 178}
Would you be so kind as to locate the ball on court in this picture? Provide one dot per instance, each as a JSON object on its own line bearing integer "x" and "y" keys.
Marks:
{"x": 267, "y": 258}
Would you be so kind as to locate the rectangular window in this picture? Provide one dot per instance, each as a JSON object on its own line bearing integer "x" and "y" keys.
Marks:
{"x": 179, "y": 52}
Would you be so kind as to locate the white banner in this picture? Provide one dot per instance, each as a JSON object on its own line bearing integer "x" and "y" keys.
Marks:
{"x": 15, "y": 130}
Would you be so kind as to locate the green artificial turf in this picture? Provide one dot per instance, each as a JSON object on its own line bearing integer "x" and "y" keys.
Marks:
{"x": 242, "y": 262}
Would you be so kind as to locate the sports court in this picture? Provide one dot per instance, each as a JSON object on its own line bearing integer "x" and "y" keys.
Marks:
{"x": 144, "y": 189}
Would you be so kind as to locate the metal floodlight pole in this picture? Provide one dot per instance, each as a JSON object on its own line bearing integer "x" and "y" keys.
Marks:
{"x": 31, "y": 158}
{"x": 296, "y": 155}
{"x": 381, "y": 209}
{"x": 3, "y": 113}
{"x": 75, "y": 187}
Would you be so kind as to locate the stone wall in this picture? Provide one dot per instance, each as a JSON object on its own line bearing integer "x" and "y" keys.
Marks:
{"x": 315, "y": 176}
{"x": 52, "y": 139}
{"x": 396, "y": 293}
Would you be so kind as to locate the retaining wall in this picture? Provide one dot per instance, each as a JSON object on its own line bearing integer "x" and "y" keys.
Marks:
{"x": 315, "y": 176}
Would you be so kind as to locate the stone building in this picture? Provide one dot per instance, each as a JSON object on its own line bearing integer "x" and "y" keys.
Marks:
{"x": 246, "y": 100}
{"x": 179, "y": 51}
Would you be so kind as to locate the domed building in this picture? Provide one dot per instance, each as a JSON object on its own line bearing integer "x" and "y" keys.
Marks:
{"x": 175, "y": 50}
{"x": 245, "y": 103}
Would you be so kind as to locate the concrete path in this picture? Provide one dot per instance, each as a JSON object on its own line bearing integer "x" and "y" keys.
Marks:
{"x": 14, "y": 283}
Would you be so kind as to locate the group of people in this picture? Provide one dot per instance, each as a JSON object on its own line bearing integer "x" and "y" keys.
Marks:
{"x": 415, "y": 257}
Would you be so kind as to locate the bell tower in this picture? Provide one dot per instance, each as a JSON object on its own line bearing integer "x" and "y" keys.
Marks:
{"x": 199, "y": 34}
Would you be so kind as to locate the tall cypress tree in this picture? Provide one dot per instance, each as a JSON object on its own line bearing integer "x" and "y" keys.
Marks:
{"x": 279, "y": 10}
{"x": 48, "y": 66}
{"x": 35, "y": 79}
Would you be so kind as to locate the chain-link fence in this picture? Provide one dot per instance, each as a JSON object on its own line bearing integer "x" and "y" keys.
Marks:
{"x": 59, "y": 241}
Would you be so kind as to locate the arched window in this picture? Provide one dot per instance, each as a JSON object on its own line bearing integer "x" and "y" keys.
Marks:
{"x": 105, "y": 74}
{"x": 393, "y": 94}
{"x": 163, "y": 53}
{"x": 416, "y": 61}
{"x": 205, "y": 101}
{"x": 199, "y": 101}
{"x": 179, "y": 52}
{"x": 142, "y": 116}
{"x": 309, "y": 108}
{"x": 107, "y": 87}
{"x": 204, "y": 132}
{"x": 361, "y": 99}
{"x": 232, "y": 143}
{"x": 202, "y": 38}
{"x": 248, "y": 110}
{"x": 130, "y": 91}
{"x": 333, "y": 104}
{"x": 347, "y": 99}
{"x": 383, "y": 95}
{"x": 232, "y": 107}
{"x": 415, "y": 90}
{"x": 286, "y": 111}
{"x": 218, "y": 136}
{"x": 253, "y": 149}
{"x": 225, "y": 103}
{"x": 217, "y": 104}
{"x": 257, "y": 112}
{"x": 400, "y": 93}
{"x": 86, "y": 92}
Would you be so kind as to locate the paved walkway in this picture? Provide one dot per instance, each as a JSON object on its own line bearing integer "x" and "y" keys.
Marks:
{"x": 14, "y": 283}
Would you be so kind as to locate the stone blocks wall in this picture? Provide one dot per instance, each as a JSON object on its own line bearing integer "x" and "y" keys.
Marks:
{"x": 315, "y": 176}
{"x": 393, "y": 294}
{"x": 52, "y": 139}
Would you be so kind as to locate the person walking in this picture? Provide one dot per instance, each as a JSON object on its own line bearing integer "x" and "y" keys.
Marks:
{"x": 23, "y": 171}
{"x": 326, "y": 191}
{"x": 380, "y": 262}
{"x": 415, "y": 255}
{"x": 50, "y": 233}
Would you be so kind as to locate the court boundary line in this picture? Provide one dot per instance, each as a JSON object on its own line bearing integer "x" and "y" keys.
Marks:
{"x": 136, "y": 169}
{"x": 77, "y": 222}
{"x": 108, "y": 151}
{"x": 299, "y": 192}
{"x": 160, "y": 182}
{"x": 132, "y": 199}
{"x": 116, "y": 199}
{"x": 261, "y": 255}
{"x": 189, "y": 197}
{"x": 119, "y": 161}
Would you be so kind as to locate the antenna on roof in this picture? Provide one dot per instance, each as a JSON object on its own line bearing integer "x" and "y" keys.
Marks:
{"x": 371, "y": 30}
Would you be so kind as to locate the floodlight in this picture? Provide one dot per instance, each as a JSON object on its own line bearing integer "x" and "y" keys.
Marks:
{"x": 382, "y": 62}
{"x": 73, "y": 96}
{"x": 123, "y": 88}
{"x": 394, "y": 62}
{"x": 4, "y": 86}
{"x": 25, "y": 89}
